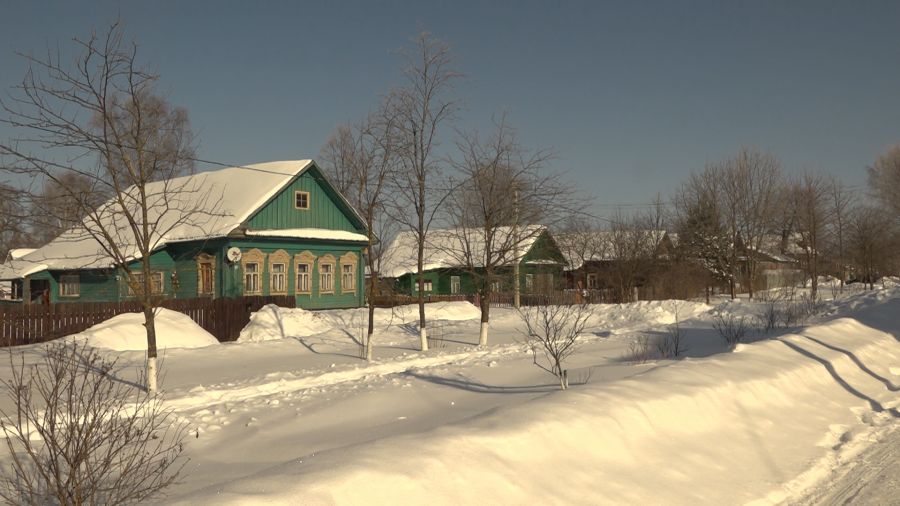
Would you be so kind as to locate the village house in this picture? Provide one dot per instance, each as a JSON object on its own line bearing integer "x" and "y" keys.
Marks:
{"x": 447, "y": 272}
{"x": 277, "y": 228}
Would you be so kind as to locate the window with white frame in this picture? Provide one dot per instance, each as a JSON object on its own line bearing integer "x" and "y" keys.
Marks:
{"x": 348, "y": 278}
{"x": 156, "y": 283}
{"x": 278, "y": 279}
{"x": 495, "y": 286}
{"x": 301, "y": 200}
{"x": 529, "y": 282}
{"x": 426, "y": 285}
{"x": 454, "y": 284}
{"x": 302, "y": 278}
{"x": 251, "y": 277}
{"x": 69, "y": 285}
{"x": 326, "y": 278}
{"x": 592, "y": 281}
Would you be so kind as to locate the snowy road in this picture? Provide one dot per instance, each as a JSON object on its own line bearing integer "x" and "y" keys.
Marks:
{"x": 873, "y": 477}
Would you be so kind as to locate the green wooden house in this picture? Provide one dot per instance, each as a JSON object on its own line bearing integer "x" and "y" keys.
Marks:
{"x": 278, "y": 228}
{"x": 453, "y": 255}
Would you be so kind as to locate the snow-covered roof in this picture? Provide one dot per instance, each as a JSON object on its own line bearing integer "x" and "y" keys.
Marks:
{"x": 15, "y": 254}
{"x": 199, "y": 206}
{"x": 447, "y": 248}
{"x": 311, "y": 233}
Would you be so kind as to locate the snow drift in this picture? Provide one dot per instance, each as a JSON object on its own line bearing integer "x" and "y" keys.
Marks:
{"x": 126, "y": 332}
{"x": 761, "y": 424}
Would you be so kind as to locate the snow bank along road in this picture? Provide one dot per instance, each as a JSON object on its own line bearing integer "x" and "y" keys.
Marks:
{"x": 768, "y": 423}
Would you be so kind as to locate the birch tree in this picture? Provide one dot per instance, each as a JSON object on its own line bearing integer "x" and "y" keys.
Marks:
{"x": 100, "y": 118}
{"x": 840, "y": 202}
{"x": 422, "y": 109}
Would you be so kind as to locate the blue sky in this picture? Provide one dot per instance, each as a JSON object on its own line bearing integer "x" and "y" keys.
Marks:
{"x": 632, "y": 96}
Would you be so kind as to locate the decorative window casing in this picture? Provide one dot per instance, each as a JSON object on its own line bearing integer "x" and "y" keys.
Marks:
{"x": 326, "y": 274}
{"x": 278, "y": 266}
{"x": 301, "y": 200}
{"x": 303, "y": 267}
{"x": 349, "y": 263}
{"x": 157, "y": 283}
{"x": 252, "y": 263}
{"x": 206, "y": 274}
{"x": 69, "y": 285}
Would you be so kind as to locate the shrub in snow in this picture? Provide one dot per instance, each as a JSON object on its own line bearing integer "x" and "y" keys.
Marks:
{"x": 551, "y": 333}
{"x": 640, "y": 350}
{"x": 671, "y": 345}
{"x": 79, "y": 435}
{"x": 730, "y": 327}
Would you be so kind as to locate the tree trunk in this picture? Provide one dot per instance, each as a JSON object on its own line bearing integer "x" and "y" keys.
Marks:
{"x": 485, "y": 320}
{"x": 150, "y": 324}
{"x": 371, "y": 330}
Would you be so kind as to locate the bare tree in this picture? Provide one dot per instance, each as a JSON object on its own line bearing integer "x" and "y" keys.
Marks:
{"x": 422, "y": 108}
{"x": 101, "y": 119}
{"x": 487, "y": 220}
{"x": 840, "y": 202}
{"x": 869, "y": 237}
{"x": 551, "y": 333}
{"x": 61, "y": 204}
{"x": 79, "y": 435}
{"x": 361, "y": 158}
{"x": 810, "y": 198}
{"x": 754, "y": 183}
{"x": 884, "y": 179}
{"x": 13, "y": 215}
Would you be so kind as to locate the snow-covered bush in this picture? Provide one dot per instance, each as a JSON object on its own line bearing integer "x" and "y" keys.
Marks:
{"x": 79, "y": 435}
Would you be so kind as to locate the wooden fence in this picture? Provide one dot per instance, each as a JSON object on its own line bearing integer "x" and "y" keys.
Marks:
{"x": 393, "y": 300}
{"x": 35, "y": 323}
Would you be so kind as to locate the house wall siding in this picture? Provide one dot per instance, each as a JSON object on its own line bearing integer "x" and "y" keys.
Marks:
{"x": 323, "y": 211}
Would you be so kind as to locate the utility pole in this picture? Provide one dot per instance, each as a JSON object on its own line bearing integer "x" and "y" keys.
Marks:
{"x": 516, "y": 260}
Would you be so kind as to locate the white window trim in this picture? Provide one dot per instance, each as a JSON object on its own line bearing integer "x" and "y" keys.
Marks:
{"x": 273, "y": 274}
{"x": 322, "y": 275}
{"x": 253, "y": 274}
{"x": 308, "y": 201}
{"x": 137, "y": 275}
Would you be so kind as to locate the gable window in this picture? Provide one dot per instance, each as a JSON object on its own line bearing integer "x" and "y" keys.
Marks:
{"x": 251, "y": 277}
{"x": 326, "y": 278}
{"x": 69, "y": 285}
{"x": 454, "y": 284}
{"x": 301, "y": 200}
{"x": 156, "y": 283}
{"x": 278, "y": 283}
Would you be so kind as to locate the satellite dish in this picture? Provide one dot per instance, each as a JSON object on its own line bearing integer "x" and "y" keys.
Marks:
{"x": 233, "y": 254}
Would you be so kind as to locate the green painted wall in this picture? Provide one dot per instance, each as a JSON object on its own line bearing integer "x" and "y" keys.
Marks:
{"x": 232, "y": 275}
{"x": 325, "y": 210}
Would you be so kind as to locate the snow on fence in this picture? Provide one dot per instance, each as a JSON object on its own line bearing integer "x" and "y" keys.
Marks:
{"x": 394, "y": 300}
{"x": 35, "y": 323}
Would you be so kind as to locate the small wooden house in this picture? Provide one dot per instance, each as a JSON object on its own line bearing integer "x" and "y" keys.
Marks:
{"x": 448, "y": 272}
{"x": 278, "y": 228}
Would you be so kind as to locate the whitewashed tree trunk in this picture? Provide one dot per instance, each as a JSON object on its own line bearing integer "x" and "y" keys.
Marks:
{"x": 151, "y": 375}
{"x": 483, "y": 335}
{"x": 423, "y": 338}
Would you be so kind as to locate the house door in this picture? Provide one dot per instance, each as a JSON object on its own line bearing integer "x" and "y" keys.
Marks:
{"x": 40, "y": 291}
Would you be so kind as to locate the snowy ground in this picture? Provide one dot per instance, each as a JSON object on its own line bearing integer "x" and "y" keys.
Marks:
{"x": 291, "y": 415}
